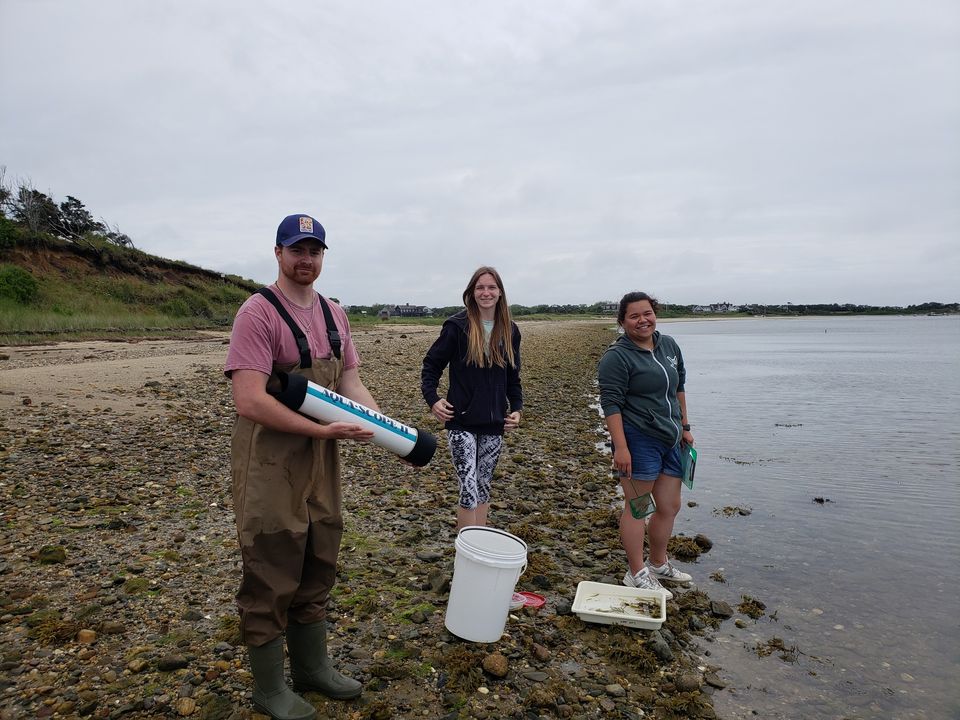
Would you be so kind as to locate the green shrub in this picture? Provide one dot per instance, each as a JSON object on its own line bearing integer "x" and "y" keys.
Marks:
{"x": 122, "y": 290}
{"x": 17, "y": 284}
{"x": 199, "y": 307}
{"x": 177, "y": 307}
{"x": 8, "y": 233}
{"x": 229, "y": 294}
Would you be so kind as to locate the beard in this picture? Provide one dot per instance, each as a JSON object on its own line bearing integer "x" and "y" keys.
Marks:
{"x": 300, "y": 275}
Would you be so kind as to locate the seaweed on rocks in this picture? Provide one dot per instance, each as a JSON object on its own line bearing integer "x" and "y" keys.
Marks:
{"x": 683, "y": 548}
{"x": 751, "y": 607}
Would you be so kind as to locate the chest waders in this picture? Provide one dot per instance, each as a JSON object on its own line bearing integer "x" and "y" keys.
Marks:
{"x": 286, "y": 493}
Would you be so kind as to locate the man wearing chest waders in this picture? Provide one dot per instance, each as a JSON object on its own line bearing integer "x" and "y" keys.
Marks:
{"x": 286, "y": 473}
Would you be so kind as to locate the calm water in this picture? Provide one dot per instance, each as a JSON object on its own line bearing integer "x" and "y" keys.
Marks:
{"x": 862, "y": 412}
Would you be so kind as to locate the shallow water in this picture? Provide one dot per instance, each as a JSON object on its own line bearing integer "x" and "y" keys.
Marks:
{"x": 863, "y": 413}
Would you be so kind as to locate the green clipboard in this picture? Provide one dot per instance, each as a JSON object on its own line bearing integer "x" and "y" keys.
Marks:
{"x": 688, "y": 457}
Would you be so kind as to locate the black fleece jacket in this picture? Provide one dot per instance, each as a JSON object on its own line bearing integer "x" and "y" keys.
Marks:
{"x": 479, "y": 395}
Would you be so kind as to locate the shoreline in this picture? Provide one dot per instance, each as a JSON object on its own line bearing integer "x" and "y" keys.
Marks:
{"x": 121, "y": 460}
{"x": 119, "y": 336}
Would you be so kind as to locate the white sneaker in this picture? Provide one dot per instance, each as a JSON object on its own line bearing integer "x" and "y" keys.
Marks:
{"x": 669, "y": 573}
{"x": 645, "y": 580}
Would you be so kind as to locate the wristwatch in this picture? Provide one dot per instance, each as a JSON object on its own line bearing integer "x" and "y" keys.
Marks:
{"x": 686, "y": 428}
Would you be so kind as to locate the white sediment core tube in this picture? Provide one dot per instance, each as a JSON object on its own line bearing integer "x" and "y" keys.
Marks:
{"x": 301, "y": 395}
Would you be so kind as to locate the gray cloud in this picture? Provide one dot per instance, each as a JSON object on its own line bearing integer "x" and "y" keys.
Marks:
{"x": 742, "y": 151}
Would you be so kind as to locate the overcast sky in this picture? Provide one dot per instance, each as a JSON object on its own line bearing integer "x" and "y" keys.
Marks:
{"x": 749, "y": 151}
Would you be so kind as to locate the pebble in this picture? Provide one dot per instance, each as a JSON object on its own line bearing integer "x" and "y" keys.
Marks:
{"x": 721, "y": 609}
{"x": 172, "y": 662}
{"x": 713, "y": 680}
{"x": 703, "y": 542}
{"x": 535, "y": 676}
{"x": 429, "y": 555}
{"x": 51, "y": 554}
{"x": 659, "y": 646}
{"x": 185, "y": 706}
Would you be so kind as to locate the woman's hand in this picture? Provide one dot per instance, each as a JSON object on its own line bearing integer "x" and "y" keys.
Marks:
{"x": 621, "y": 461}
{"x": 512, "y": 421}
{"x": 686, "y": 438}
{"x": 442, "y": 410}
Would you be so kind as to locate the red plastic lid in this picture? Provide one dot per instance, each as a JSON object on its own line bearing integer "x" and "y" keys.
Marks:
{"x": 532, "y": 599}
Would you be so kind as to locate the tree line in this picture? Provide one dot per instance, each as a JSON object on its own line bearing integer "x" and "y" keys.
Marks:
{"x": 24, "y": 208}
{"x": 672, "y": 310}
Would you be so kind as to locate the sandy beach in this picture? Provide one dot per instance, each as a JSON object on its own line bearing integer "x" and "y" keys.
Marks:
{"x": 118, "y": 557}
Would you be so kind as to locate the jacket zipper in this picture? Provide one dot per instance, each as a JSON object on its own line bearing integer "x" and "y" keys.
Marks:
{"x": 666, "y": 394}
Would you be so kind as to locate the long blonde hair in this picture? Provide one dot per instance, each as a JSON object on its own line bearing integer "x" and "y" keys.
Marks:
{"x": 501, "y": 337}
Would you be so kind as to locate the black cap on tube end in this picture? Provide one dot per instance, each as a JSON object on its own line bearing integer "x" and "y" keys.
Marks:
{"x": 423, "y": 449}
{"x": 292, "y": 390}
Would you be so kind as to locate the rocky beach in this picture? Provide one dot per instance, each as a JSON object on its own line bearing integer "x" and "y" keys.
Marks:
{"x": 119, "y": 558}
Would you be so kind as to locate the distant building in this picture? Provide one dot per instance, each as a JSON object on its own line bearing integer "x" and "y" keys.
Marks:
{"x": 723, "y": 307}
{"x": 404, "y": 311}
{"x": 609, "y": 308}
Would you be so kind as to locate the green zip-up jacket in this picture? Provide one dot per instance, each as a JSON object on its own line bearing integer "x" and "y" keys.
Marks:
{"x": 642, "y": 386}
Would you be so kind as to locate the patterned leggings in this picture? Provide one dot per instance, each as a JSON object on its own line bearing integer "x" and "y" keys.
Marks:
{"x": 474, "y": 459}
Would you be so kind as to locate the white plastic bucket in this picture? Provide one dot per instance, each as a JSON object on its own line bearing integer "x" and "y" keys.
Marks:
{"x": 488, "y": 564}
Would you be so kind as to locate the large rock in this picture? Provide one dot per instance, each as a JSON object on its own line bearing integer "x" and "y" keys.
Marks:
{"x": 49, "y": 554}
{"x": 496, "y": 664}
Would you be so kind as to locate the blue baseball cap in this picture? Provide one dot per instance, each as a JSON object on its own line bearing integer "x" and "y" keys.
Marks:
{"x": 295, "y": 228}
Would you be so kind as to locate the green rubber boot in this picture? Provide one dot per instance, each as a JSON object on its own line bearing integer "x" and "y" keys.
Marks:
{"x": 310, "y": 668}
{"x": 270, "y": 693}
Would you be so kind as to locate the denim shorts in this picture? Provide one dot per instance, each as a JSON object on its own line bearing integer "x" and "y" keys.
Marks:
{"x": 649, "y": 458}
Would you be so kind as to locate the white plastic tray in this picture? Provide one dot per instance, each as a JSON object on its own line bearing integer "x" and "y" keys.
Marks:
{"x": 620, "y": 605}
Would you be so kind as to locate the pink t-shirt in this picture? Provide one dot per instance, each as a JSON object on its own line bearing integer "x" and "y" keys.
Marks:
{"x": 261, "y": 339}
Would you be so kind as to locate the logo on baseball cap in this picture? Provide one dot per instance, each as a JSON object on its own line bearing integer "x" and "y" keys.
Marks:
{"x": 295, "y": 228}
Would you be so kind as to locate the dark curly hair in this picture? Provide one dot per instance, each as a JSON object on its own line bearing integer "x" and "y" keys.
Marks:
{"x": 632, "y": 297}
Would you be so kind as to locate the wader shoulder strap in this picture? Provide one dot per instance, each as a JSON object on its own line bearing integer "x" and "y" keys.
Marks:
{"x": 302, "y": 345}
{"x": 333, "y": 335}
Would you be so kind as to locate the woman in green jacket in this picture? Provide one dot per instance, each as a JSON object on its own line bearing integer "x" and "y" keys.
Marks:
{"x": 641, "y": 378}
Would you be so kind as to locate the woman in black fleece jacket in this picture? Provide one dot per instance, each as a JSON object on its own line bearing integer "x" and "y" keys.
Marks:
{"x": 481, "y": 344}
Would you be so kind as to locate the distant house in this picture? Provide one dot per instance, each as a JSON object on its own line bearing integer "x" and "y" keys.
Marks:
{"x": 405, "y": 311}
{"x": 723, "y": 307}
{"x": 609, "y": 308}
